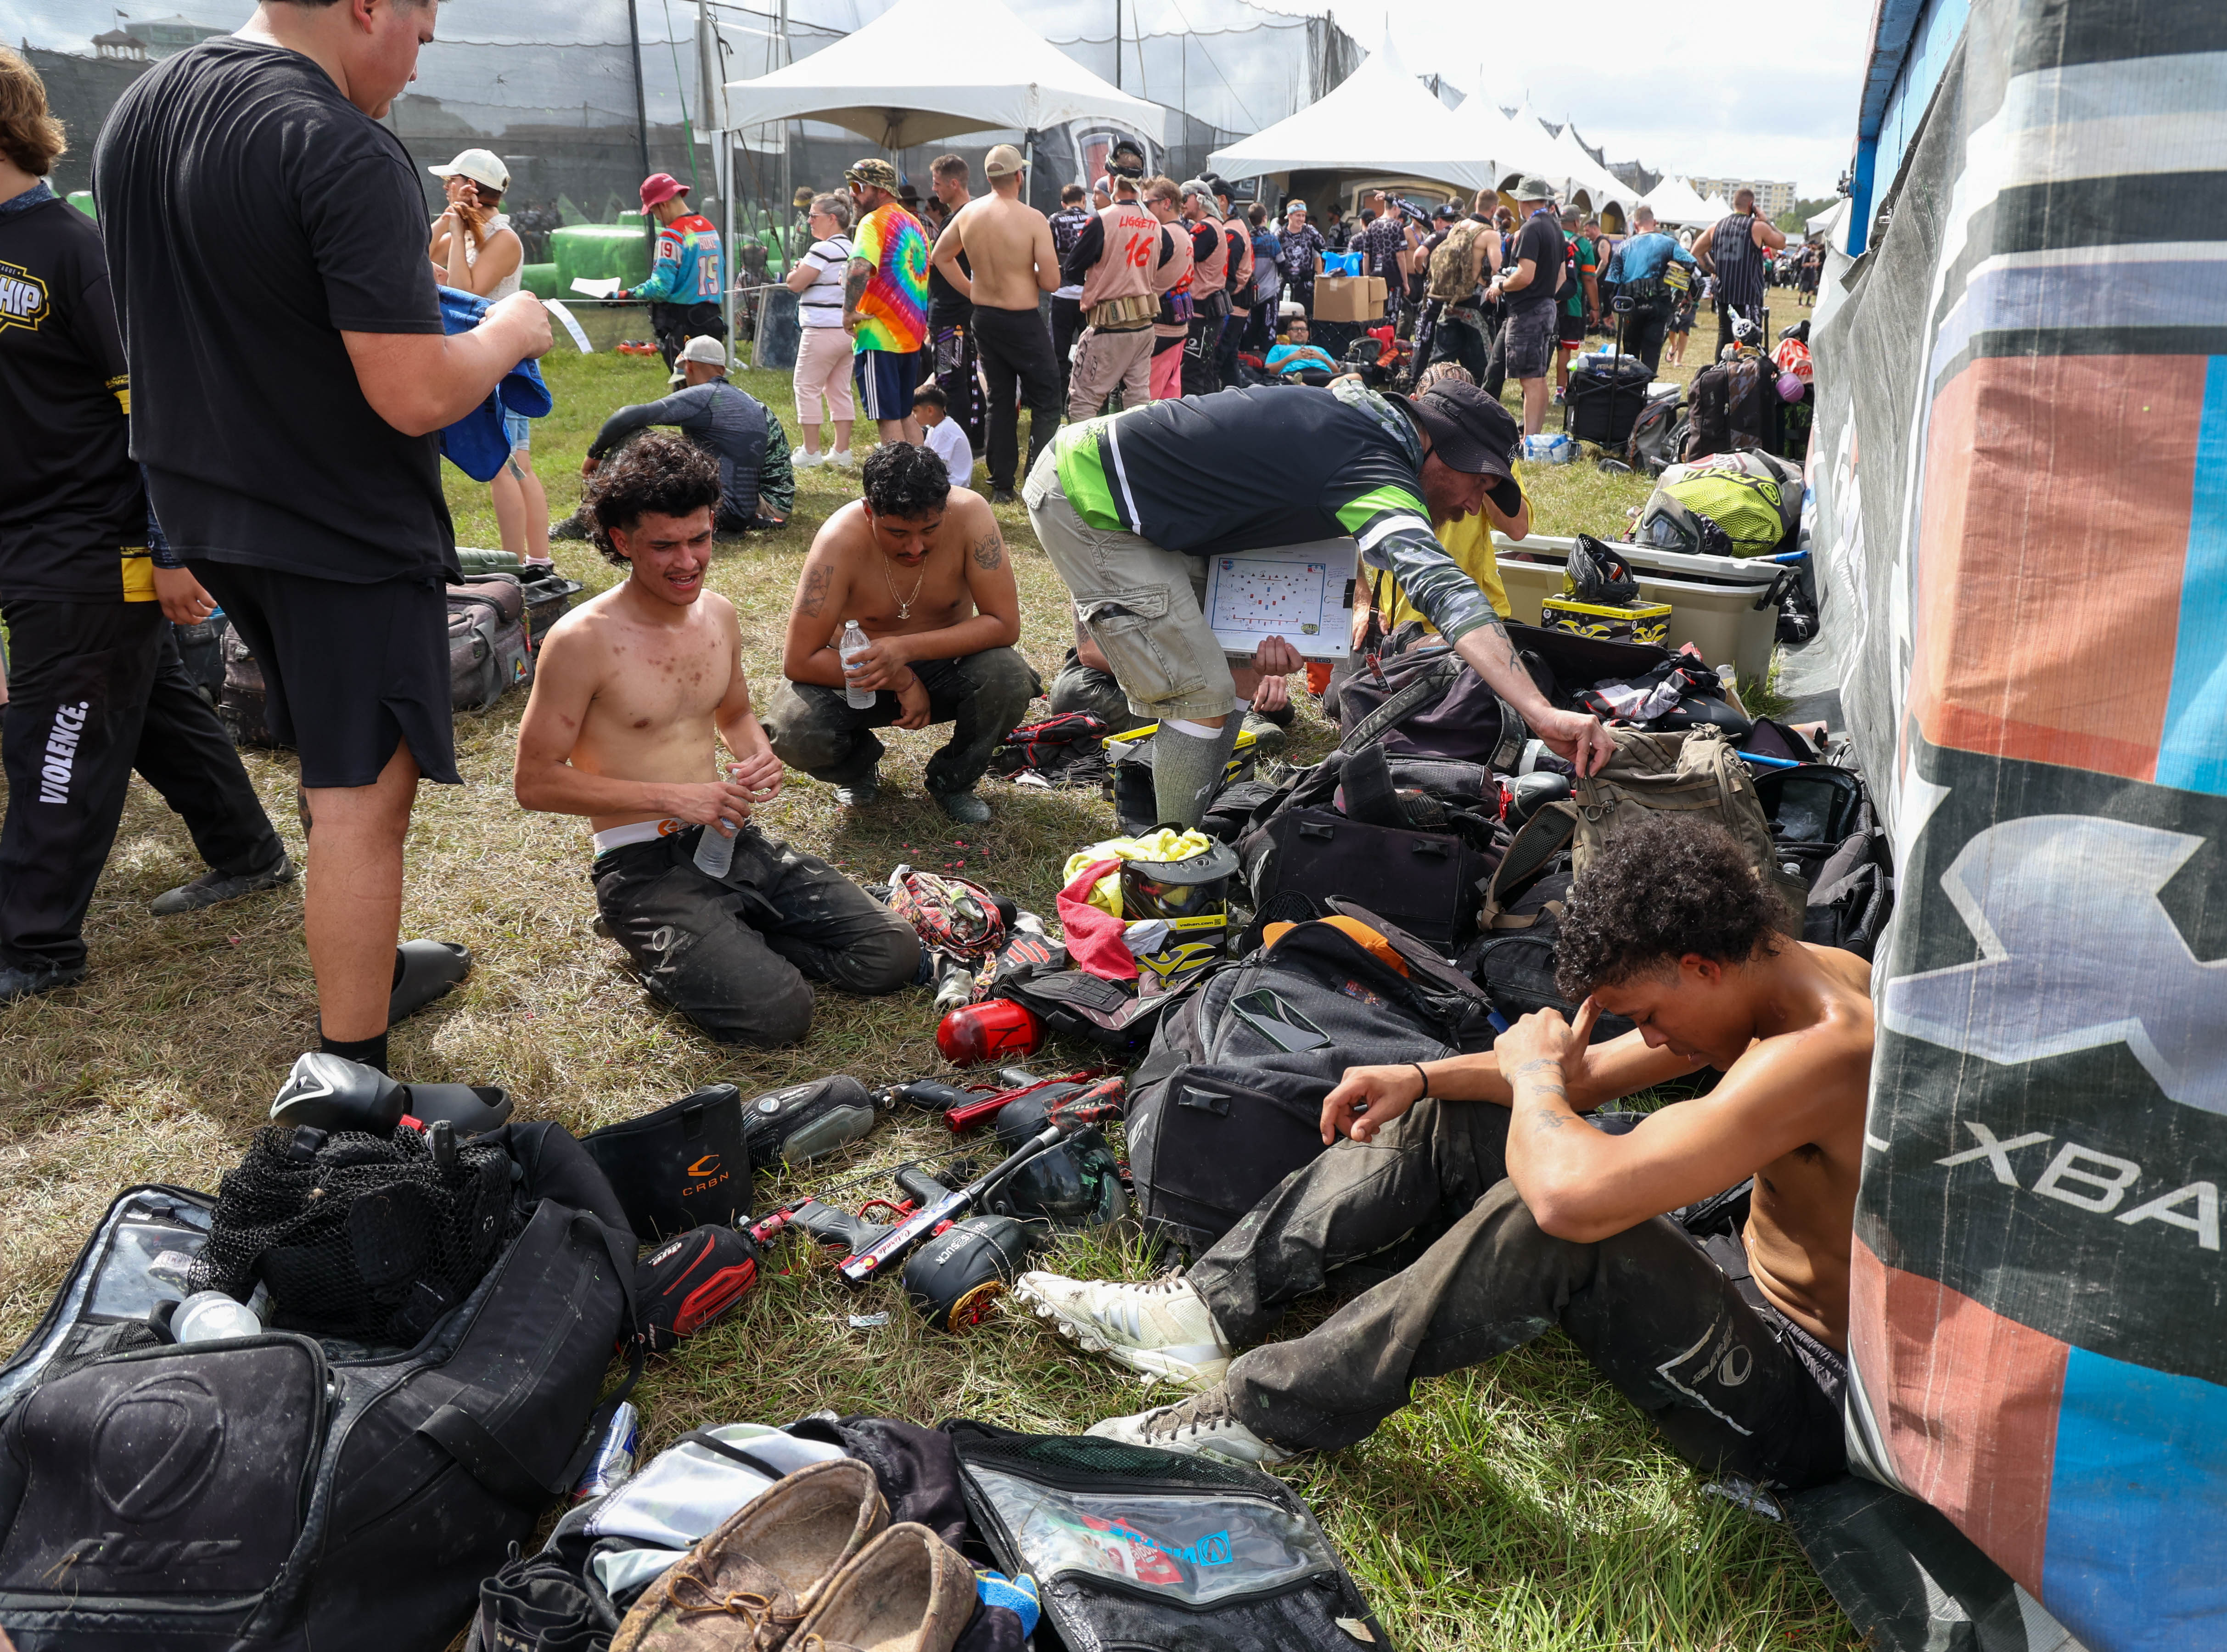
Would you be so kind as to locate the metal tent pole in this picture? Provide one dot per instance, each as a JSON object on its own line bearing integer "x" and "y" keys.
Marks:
{"x": 641, "y": 97}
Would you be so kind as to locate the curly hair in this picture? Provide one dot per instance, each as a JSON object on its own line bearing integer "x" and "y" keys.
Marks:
{"x": 1658, "y": 889}
{"x": 900, "y": 480}
{"x": 654, "y": 473}
{"x": 30, "y": 137}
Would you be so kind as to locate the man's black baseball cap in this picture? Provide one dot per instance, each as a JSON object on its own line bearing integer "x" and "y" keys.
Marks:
{"x": 1470, "y": 431}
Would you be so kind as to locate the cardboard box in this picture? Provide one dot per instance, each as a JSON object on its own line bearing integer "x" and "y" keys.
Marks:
{"x": 1348, "y": 298}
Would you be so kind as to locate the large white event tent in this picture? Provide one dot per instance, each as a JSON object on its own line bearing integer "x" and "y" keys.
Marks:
{"x": 1379, "y": 119}
{"x": 1499, "y": 144}
{"x": 930, "y": 69}
{"x": 1674, "y": 201}
{"x": 1716, "y": 206}
{"x": 1602, "y": 188}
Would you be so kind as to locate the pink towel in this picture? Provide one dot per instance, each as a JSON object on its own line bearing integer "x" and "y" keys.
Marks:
{"x": 1095, "y": 940}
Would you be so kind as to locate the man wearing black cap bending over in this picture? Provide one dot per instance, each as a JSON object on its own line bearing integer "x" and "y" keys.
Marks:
{"x": 1117, "y": 506}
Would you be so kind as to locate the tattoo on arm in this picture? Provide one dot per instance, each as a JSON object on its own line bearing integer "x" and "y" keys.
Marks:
{"x": 813, "y": 597}
{"x": 854, "y": 282}
{"x": 989, "y": 549}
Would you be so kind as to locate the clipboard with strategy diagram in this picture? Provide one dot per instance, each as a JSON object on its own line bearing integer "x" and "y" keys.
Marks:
{"x": 1302, "y": 593}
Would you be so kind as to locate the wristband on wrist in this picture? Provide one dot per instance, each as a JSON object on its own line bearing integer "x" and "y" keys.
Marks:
{"x": 1425, "y": 1077}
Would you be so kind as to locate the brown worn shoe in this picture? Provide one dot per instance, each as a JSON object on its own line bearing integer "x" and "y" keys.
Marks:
{"x": 910, "y": 1592}
{"x": 755, "y": 1576}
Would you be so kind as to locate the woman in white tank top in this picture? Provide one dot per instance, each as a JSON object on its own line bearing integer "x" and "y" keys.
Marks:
{"x": 473, "y": 248}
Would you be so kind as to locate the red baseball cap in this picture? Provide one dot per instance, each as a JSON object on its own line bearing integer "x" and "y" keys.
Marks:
{"x": 659, "y": 186}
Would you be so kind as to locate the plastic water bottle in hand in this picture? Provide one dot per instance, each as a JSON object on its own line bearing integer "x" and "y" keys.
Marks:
{"x": 855, "y": 642}
{"x": 715, "y": 850}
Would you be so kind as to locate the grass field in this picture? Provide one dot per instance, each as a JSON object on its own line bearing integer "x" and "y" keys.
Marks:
{"x": 1521, "y": 1506}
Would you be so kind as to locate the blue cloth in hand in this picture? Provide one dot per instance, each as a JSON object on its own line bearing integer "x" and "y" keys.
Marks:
{"x": 477, "y": 443}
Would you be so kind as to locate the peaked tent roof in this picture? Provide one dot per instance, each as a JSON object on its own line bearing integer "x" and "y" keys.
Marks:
{"x": 1675, "y": 202}
{"x": 928, "y": 69}
{"x": 1716, "y": 206}
{"x": 1379, "y": 119}
{"x": 1583, "y": 172}
{"x": 1497, "y": 143}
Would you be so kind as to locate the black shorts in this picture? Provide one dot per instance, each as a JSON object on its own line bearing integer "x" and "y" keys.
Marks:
{"x": 1570, "y": 329}
{"x": 349, "y": 672}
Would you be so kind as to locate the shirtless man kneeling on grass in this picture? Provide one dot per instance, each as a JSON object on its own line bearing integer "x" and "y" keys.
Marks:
{"x": 632, "y": 692}
{"x": 922, "y": 568}
{"x": 1729, "y": 1334}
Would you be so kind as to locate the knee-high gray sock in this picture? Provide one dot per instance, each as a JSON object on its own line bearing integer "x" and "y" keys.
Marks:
{"x": 1187, "y": 768}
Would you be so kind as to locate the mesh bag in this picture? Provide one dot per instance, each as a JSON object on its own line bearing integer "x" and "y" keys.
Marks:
{"x": 359, "y": 1235}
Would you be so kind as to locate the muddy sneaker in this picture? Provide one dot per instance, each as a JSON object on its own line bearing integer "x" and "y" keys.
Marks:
{"x": 214, "y": 888}
{"x": 860, "y": 793}
{"x": 1162, "y": 1328}
{"x": 910, "y": 1591}
{"x": 1200, "y": 1425}
{"x": 754, "y": 1577}
{"x": 962, "y": 806}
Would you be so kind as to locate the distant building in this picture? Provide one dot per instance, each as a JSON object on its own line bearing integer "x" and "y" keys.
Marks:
{"x": 162, "y": 37}
{"x": 1772, "y": 197}
{"x": 119, "y": 46}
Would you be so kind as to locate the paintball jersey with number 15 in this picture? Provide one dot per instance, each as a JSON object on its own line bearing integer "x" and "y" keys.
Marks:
{"x": 1290, "y": 464}
{"x": 686, "y": 269}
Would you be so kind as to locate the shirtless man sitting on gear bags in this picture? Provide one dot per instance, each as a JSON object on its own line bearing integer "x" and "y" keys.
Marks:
{"x": 1699, "y": 1253}
{"x": 632, "y": 692}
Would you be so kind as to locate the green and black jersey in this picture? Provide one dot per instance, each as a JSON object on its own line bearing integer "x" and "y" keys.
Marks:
{"x": 1274, "y": 464}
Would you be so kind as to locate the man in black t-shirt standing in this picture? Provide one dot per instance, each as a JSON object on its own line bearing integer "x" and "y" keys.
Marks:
{"x": 100, "y": 688}
{"x": 1527, "y": 285}
{"x": 267, "y": 239}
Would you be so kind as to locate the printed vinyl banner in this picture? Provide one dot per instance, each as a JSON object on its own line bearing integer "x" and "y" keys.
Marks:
{"x": 2021, "y": 460}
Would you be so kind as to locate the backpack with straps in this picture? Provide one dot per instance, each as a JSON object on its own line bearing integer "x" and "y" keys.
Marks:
{"x": 1425, "y": 701}
{"x": 1229, "y": 1101}
{"x": 1728, "y": 408}
{"x": 287, "y": 1492}
{"x": 1457, "y": 263}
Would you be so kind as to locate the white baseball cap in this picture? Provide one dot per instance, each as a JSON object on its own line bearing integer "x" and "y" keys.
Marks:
{"x": 481, "y": 166}
{"x": 709, "y": 351}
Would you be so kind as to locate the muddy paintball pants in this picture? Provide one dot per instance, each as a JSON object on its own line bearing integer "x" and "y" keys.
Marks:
{"x": 983, "y": 696}
{"x": 737, "y": 954}
{"x": 1669, "y": 1315}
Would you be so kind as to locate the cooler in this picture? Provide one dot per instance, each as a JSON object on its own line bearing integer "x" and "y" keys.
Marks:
{"x": 1725, "y": 606}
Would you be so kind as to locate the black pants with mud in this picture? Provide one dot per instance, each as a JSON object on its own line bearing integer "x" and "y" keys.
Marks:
{"x": 95, "y": 690}
{"x": 1017, "y": 360}
{"x": 1673, "y": 1320}
{"x": 1066, "y": 327}
{"x": 1084, "y": 688}
{"x": 983, "y": 696}
{"x": 737, "y": 954}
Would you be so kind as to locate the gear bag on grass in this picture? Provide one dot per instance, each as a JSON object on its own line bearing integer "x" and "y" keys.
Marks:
{"x": 1513, "y": 956}
{"x": 1135, "y": 1547}
{"x": 283, "y": 1492}
{"x": 1229, "y": 1101}
{"x": 1732, "y": 505}
{"x": 1728, "y": 413}
{"x": 1424, "y": 701}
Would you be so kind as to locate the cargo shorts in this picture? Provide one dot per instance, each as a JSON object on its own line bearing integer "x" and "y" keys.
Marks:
{"x": 1144, "y": 606}
{"x": 1531, "y": 338}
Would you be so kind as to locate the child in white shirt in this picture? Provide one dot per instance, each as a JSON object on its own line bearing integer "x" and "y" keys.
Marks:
{"x": 946, "y": 439}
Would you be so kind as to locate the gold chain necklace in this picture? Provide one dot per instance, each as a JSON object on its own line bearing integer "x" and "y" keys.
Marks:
{"x": 905, "y": 603}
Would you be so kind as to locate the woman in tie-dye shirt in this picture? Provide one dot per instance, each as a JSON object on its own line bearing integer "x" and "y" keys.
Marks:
{"x": 885, "y": 300}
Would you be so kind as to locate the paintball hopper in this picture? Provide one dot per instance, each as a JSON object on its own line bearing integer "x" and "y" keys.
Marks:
{"x": 953, "y": 1279}
{"x": 331, "y": 1093}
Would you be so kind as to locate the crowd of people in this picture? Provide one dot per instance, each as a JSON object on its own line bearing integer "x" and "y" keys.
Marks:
{"x": 262, "y": 253}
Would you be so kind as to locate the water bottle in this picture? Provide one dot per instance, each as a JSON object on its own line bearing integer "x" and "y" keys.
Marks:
{"x": 211, "y": 1317}
{"x": 855, "y": 642}
{"x": 715, "y": 850}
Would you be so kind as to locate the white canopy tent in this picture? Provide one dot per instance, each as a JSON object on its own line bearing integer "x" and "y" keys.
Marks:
{"x": 1499, "y": 144}
{"x": 1675, "y": 202}
{"x": 930, "y": 69}
{"x": 1378, "y": 119}
{"x": 1579, "y": 172}
{"x": 1716, "y": 206}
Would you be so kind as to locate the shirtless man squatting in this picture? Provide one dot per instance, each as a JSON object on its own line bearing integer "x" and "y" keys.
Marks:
{"x": 921, "y": 566}
{"x": 1731, "y": 1336}
{"x": 634, "y": 692}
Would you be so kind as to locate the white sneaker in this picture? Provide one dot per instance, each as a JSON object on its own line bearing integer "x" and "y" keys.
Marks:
{"x": 808, "y": 461}
{"x": 1163, "y": 1329}
{"x": 840, "y": 459}
{"x": 1200, "y": 1426}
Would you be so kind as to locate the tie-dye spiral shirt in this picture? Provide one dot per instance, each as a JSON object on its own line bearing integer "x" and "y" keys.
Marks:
{"x": 893, "y": 313}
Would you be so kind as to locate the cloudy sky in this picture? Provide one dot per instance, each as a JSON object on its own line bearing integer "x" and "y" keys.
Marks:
{"x": 1718, "y": 87}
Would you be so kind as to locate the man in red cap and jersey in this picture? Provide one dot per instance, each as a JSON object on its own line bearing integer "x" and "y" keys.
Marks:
{"x": 684, "y": 286}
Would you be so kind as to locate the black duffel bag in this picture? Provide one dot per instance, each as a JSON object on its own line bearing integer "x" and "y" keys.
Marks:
{"x": 285, "y": 1492}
